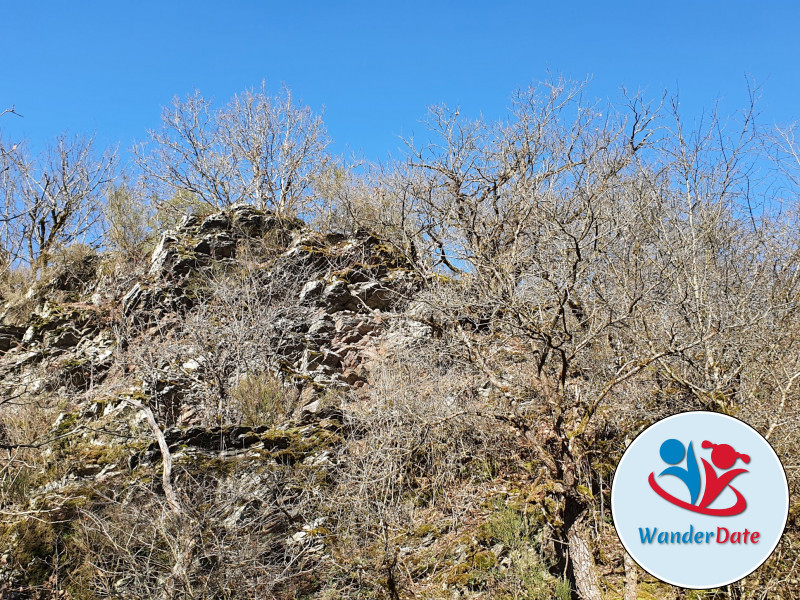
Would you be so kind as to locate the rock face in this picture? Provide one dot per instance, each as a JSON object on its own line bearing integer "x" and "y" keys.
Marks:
{"x": 198, "y": 242}
{"x": 234, "y": 294}
{"x": 260, "y": 411}
{"x": 66, "y": 345}
{"x": 345, "y": 288}
{"x": 338, "y": 296}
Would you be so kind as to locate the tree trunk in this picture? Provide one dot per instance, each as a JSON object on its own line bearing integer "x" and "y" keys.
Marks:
{"x": 630, "y": 577}
{"x": 583, "y": 567}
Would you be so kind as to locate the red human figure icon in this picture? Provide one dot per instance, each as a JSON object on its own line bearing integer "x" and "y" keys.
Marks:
{"x": 724, "y": 457}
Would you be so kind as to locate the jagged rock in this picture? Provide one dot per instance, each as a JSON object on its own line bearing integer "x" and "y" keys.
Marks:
{"x": 217, "y": 245}
{"x": 250, "y": 221}
{"x": 66, "y": 338}
{"x": 215, "y": 222}
{"x": 321, "y": 329}
{"x": 133, "y": 299}
{"x": 7, "y": 342}
{"x": 188, "y": 222}
{"x": 10, "y": 336}
{"x": 311, "y": 292}
{"x": 335, "y": 301}
{"x": 195, "y": 243}
{"x": 374, "y": 295}
{"x": 336, "y": 297}
{"x": 163, "y": 254}
{"x": 299, "y": 442}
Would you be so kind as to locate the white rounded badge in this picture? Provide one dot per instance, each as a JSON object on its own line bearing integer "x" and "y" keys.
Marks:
{"x": 699, "y": 500}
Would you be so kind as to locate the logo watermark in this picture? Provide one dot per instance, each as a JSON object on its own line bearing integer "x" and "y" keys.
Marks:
{"x": 700, "y": 500}
{"x": 723, "y": 456}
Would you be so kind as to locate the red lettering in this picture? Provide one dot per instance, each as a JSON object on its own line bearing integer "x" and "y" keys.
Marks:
{"x": 735, "y": 537}
{"x": 720, "y": 539}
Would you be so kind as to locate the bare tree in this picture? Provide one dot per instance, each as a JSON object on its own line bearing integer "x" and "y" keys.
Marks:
{"x": 8, "y": 243}
{"x": 3, "y": 150}
{"x": 522, "y": 212}
{"x": 609, "y": 251}
{"x": 54, "y": 200}
{"x": 587, "y": 269}
{"x": 260, "y": 149}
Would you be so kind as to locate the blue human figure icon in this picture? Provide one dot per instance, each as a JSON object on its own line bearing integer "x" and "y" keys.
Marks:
{"x": 672, "y": 452}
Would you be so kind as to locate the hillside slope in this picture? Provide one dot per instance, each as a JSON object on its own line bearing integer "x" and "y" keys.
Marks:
{"x": 269, "y": 411}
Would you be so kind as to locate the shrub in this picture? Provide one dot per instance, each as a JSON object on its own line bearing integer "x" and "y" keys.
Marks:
{"x": 262, "y": 399}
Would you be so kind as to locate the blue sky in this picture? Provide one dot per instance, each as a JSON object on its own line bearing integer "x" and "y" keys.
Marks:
{"x": 109, "y": 67}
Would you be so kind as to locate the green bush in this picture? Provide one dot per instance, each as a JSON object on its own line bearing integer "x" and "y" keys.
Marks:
{"x": 129, "y": 223}
{"x": 261, "y": 399}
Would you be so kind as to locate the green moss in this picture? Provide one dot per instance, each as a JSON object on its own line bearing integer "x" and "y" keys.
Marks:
{"x": 295, "y": 444}
{"x": 33, "y": 544}
{"x": 481, "y": 469}
{"x": 217, "y": 467}
{"x": 424, "y": 530}
{"x": 484, "y": 561}
{"x": 647, "y": 590}
{"x": 104, "y": 455}
{"x": 99, "y": 405}
{"x": 513, "y": 529}
{"x": 73, "y": 363}
{"x": 66, "y": 425}
{"x": 276, "y": 438}
{"x": 529, "y": 572}
{"x": 475, "y": 573}
{"x": 40, "y": 545}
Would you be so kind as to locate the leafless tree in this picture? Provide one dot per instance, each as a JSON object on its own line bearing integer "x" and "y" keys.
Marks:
{"x": 54, "y": 200}
{"x": 3, "y": 150}
{"x": 610, "y": 248}
{"x": 9, "y": 214}
{"x": 261, "y": 149}
{"x": 523, "y": 213}
{"x": 587, "y": 268}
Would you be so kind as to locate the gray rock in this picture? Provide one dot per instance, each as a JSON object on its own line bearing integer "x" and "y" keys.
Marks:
{"x": 247, "y": 220}
{"x": 375, "y": 295}
{"x": 67, "y": 338}
{"x": 336, "y": 297}
{"x": 311, "y": 292}
{"x": 163, "y": 254}
{"x": 188, "y": 223}
{"x": 10, "y": 336}
{"x": 321, "y": 329}
{"x": 132, "y": 299}
{"x": 215, "y": 222}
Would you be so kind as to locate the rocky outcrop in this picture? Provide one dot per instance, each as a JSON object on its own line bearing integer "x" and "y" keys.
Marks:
{"x": 329, "y": 305}
{"x": 297, "y": 441}
{"x": 345, "y": 294}
{"x": 198, "y": 242}
{"x": 346, "y": 288}
{"x": 59, "y": 346}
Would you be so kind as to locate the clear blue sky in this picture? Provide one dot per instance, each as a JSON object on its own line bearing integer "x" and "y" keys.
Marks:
{"x": 109, "y": 67}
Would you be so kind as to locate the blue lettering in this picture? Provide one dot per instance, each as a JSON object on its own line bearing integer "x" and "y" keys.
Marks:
{"x": 647, "y": 538}
{"x": 687, "y": 537}
{"x": 722, "y": 535}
